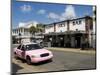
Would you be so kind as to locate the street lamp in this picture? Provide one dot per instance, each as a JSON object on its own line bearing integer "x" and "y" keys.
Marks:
{"x": 19, "y": 37}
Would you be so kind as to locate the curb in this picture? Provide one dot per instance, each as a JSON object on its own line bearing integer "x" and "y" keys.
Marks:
{"x": 73, "y": 50}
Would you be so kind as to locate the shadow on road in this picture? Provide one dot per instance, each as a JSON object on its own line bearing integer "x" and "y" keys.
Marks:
{"x": 15, "y": 68}
{"x": 41, "y": 63}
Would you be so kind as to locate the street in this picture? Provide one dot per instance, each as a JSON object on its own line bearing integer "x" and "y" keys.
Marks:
{"x": 61, "y": 61}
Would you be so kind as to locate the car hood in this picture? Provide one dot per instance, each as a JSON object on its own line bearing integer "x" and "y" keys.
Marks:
{"x": 37, "y": 51}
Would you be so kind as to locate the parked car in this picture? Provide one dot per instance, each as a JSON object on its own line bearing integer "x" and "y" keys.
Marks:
{"x": 32, "y": 53}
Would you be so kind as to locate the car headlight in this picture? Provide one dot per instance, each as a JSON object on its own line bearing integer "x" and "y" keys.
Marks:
{"x": 50, "y": 52}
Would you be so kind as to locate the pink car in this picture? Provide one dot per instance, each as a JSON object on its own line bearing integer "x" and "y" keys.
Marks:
{"x": 32, "y": 53}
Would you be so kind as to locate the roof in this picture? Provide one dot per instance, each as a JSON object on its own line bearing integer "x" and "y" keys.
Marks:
{"x": 27, "y": 43}
{"x": 65, "y": 33}
{"x": 85, "y": 17}
{"x": 26, "y": 24}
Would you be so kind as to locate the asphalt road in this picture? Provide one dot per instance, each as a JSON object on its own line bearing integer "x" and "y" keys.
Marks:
{"x": 61, "y": 61}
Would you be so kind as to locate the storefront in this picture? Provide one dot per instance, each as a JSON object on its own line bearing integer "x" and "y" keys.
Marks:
{"x": 73, "y": 39}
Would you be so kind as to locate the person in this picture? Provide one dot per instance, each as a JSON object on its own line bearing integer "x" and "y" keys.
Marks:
{"x": 83, "y": 45}
{"x": 75, "y": 43}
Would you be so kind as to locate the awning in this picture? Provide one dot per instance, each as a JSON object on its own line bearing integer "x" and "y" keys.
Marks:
{"x": 65, "y": 33}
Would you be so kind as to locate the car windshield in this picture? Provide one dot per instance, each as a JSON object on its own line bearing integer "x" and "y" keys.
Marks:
{"x": 32, "y": 47}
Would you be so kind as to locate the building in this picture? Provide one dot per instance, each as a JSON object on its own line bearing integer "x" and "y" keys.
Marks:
{"x": 21, "y": 33}
{"x": 94, "y": 28}
{"x": 70, "y": 33}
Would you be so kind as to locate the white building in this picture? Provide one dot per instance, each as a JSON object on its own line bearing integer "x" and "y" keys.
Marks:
{"x": 73, "y": 25}
{"x": 23, "y": 28}
{"x": 70, "y": 32}
{"x": 21, "y": 33}
{"x": 94, "y": 27}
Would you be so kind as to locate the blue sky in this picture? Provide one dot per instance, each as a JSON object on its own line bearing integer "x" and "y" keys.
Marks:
{"x": 46, "y": 12}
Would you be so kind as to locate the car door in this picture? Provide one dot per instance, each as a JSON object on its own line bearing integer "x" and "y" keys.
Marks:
{"x": 22, "y": 52}
{"x": 18, "y": 50}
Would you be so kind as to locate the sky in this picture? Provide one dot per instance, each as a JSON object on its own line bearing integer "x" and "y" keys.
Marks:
{"x": 23, "y": 12}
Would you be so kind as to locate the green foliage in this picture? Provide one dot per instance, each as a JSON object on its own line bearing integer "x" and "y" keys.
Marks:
{"x": 32, "y": 30}
{"x": 38, "y": 28}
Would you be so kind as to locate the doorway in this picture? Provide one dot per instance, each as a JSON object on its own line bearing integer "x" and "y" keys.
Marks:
{"x": 77, "y": 41}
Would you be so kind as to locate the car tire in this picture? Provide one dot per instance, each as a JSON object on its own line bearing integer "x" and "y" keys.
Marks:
{"x": 15, "y": 56}
{"x": 50, "y": 60}
{"x": 28, "y": 60}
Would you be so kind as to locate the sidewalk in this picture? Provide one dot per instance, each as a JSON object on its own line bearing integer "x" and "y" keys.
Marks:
{"x": 77, "y": 50}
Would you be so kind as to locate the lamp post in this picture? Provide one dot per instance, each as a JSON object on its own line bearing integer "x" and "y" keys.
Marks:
{"x": 19, "y": 37}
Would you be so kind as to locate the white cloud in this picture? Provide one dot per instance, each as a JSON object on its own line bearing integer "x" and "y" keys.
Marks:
{"x": 26, "y": 8}
{"x": 53, "y": 16}
{"x": 69, "y": 13}
{"x": 42, "y": 11}
{"x": 21, "y": 24}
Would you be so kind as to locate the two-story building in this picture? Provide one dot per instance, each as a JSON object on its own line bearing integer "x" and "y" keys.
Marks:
{"x": 94, "y": 27}
{"x": 69, "y": 33}
{"x": 21, "y": 33}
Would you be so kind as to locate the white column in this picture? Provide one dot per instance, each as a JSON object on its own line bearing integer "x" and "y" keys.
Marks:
{"x": 23, "y": 31}
{"x": 94, "y": 25}
{"x": 90, "y": 43}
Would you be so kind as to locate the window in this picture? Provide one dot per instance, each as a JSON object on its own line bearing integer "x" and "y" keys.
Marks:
{"x": 76, "y": 29}
{"x": 49, "y": 26}
{"x": 60, "y": 30}
{"x": 73, "y": 23}
{"x": 33, "y": 47}
{"x": 80, "y": 21}
{"x": 77, "y": 22}
{"x": 19, "y": 47}
{"x": 23, "y": 47}
{"x": 21, "y": 29}
{"x": 61, "y": 25}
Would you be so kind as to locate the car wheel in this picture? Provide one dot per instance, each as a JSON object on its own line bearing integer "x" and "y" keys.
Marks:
{"x": 28, "y": 60}
{"x": 15, "y": 56}
{"x": 50, "y": 60}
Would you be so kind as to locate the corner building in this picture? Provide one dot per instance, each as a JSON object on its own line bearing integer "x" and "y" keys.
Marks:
{"x": 70, "y": 33}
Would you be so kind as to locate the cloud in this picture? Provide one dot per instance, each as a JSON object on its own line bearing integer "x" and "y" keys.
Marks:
{"x": 26, "y": 8}
{"x": 53, "y": 16}
{"x": 69, "y": 13}
{"x": 42, "y": 11}
{"x": 21, "y": 24}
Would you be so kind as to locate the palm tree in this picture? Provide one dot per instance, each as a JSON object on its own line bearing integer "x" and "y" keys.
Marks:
{"x": 32, "y": 31}
{"x": 40, "y": 27}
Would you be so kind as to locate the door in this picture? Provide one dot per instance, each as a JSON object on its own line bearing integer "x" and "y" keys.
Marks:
{"x": 18, "y": 50}
{"x": 61, "y": 41}
{"x": 78, "y": 41}
{"x": 22, "y": 52}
